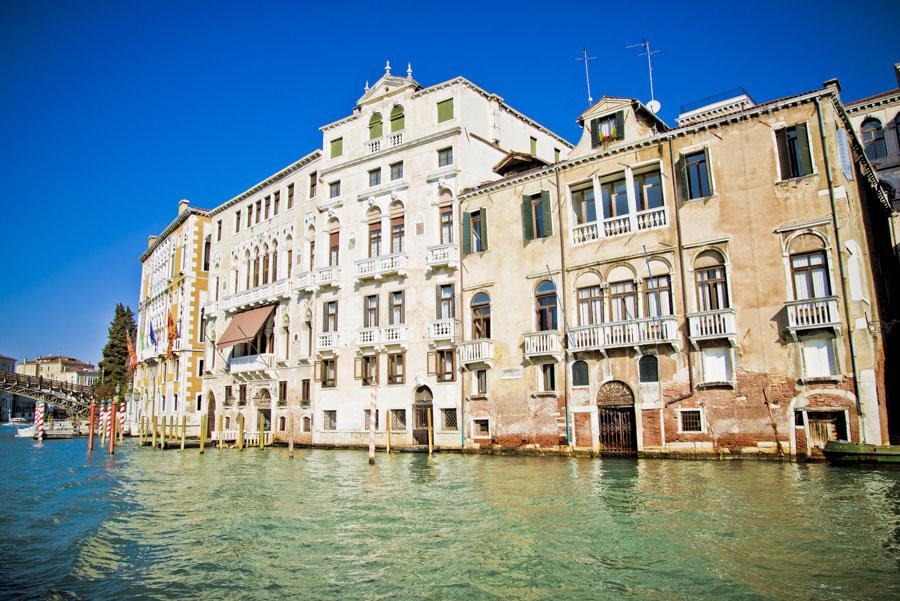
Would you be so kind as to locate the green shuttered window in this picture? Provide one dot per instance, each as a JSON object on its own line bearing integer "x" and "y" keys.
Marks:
{"x": 398, "y": 121}
{"x": 337, "y": 147}
{"x": 375, "y": 128}
{"x": 608, "y": 128}
{"x": 537, "y": 221}
{"x": 475, "y": 234}
{"x": 794, "y": 158}
{"x": 445, "y": 110}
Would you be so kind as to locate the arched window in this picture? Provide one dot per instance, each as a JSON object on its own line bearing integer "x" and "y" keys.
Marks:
{"x": 580, "y": 376}
{"x": 397, "y": 119}
{"x": 648, "y": 367}
{"x": 873, "y": 139}
{"x": 256, "y": 268}
{"x": 274, "y": 261}
{"x": 398, "y": 227}
{"x": 374, "y": 219}
{"x": 545, "y": 306}
{"x": 658, "y": 290}
{"x": 375, "y": 128}
{"x": 281, "y": 422}
{"x": 481, "y": 316}
{"x": 712, "y": 285}
{"x": 265, "y": 265}
{"x": 809, "y": 268}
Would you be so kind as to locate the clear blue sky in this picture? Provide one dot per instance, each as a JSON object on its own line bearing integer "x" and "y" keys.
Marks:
{"x": 112, "y": 111}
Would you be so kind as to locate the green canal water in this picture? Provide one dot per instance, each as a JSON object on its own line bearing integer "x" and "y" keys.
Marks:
{"x": 258, "y": 525}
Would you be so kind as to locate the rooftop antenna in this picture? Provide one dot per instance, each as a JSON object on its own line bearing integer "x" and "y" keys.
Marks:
{"x": 587, "y": 74}
{"x": 654, "y": 104}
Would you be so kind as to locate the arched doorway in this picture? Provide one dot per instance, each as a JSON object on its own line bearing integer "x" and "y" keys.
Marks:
{"x": 263, "y": 401}
{"x": 615, "y": 418}
{"x": 421, "y": 408}
{"x": 210, "y": 412}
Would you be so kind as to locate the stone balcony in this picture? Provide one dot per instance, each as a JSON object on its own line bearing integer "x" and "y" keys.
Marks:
{"x": 378, "y": 338}
{"x": 261, "y": 295}
{"x": 441, "y": 255}
{"x": 251, "y": 366}
{"x": 327, "y": 343}
{"x": 325, "y": 277}
{"x": 368, "y": 337}
{"x": 378, "y": 267}
{"x": 712, "y": 325}
{"x": 476, "y": 352}
{"x": 388, "y": 141}
{"x": 543, "y": 344}
{"x": 812, "y": 314}
{"x": 443, "y": 330}
{"x": 621, "y": 225}
{"x": 635, "y": 333}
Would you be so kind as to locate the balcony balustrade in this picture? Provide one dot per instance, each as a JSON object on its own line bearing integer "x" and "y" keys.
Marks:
{"x": 251, "y": 364}
{"x": 393, "y": 335}
{"x": 378, "y": 267}
{"x": 327, "y": 342}
{"x": 652, "y": 218}
{"x": 442, "y": 329}
{"x": 634, "y": 333}
{"x": 543, "y": 344}
{"x": 441, "y": 255}
{"x": 260, "y": 295}
{"x": 616, "y": 226}
{"x": 368, "y": 337}
{"x": 711, "y": 325}
{"x": 812, "y": 313}
{"x": 476, "y": 351}
{"x": 327, "y": 276}
{"x": 305, "y": 281}
{"x": 586, "y": 232}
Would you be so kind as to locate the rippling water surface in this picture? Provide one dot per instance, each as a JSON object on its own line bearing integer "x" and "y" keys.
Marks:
{"x": 258, "y": 525}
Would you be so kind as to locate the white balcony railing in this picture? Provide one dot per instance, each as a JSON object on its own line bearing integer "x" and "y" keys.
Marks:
{"x": 257, "y": 296}
{"x": 616, "y": 226}
{"x": 442, "y": 329}
{"x": 652, "y": 218}
{"x": 395, "y": 139}
{"x": 326, "y": 341}
{"x": 813, "y": 313}
{"x": 327, "y": 276}
{"x": 585, "y": 233}
{"x": 393, "y": 335}
{"x": 373, "y": 146}
{"x": 442, "y": 254}
{"x": 367, "y": 336}
{"x": 237, "y": 365}
{"x": 543, "y": 343}
{"x": 476, "y": 351}
{"x": 706, "y": 325}
{"x": 637, "y": 332}
{"x": 377, "y": 267}
{"x": 305, "y": 281}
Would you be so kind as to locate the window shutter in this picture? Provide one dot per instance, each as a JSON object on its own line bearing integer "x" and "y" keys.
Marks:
{"x": 708, "y": 170}
{"x": 783, "y": 155}
{"x": 803, "y": 150}
{"x": 484, "y": 230}
{"x": 548, "y": 219}
{"x": 595, "y": 133}
{"x": 683, "y": 179}
{"x": 467, "y": 234}
{"x": 317, "y": 371}
{"x": 357, "y": 368}
{"x": 432, "y": 363}
{"x": 437, "y": 301}
{"x": 527, "y": 219}
{"x": 445, "y": 110}
{"x": 397, "y": 119}
{"x": 620, "y": 125}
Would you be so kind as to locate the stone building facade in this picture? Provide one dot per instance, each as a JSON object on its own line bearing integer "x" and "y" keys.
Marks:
{"x": 701, "y": 289}
{"x": 174, "y": 280}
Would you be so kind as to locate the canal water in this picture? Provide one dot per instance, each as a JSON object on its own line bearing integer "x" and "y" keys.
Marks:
{"x": 258, "y": 525}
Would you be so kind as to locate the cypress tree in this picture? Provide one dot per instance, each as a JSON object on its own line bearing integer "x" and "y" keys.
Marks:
{"x": 114, "y": 365}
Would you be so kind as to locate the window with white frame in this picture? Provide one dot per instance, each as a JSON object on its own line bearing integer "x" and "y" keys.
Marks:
{"x": 690, "y": 420}
{"x": 329, "y": 419}
{"x": 818, "y": 358}
{"x": 717, "y": 365}
{"x": 449, "y": 420}
{"x": 583, "y": 204}
{"x": 548, "y": 377}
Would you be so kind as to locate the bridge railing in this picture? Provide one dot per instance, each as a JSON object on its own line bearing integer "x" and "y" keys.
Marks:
{"x": 46, "y": 384}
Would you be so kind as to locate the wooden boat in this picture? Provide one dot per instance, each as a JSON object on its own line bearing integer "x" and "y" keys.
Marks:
{"x": 839, "y": 451}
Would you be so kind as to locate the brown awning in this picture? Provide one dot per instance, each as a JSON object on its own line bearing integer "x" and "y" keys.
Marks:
{"x": 244, "y": 326}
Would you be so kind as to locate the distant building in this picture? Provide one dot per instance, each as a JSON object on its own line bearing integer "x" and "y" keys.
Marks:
{"x": 7, "y": 365}
{"x": 54, "y": 367}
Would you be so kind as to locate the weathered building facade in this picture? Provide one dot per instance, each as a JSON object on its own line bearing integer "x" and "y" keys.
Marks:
{"x": 701, "y": 289}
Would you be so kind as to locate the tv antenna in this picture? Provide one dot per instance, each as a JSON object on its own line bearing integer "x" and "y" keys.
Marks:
{"x": 654, "y": 104}
{"x": 587, "y": 74}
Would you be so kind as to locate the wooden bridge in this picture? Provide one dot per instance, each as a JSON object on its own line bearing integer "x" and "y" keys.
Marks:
{"x": 74, "y": 398}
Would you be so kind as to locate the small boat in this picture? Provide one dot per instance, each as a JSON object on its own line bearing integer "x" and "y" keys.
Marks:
{"x": 17, "y": 421}
{"x": 25, "y": 432}
{"x": 841, "y": 451}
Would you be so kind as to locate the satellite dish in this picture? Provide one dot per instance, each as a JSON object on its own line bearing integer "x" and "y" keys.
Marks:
{"x": 653, "y": 106}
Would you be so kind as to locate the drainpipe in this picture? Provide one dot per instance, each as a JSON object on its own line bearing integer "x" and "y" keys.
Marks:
{"x": 679, "y": 244}
{"x": 562, "y": 285}
{"x": 844, "y": 298}
{"x": 462, "y": 378}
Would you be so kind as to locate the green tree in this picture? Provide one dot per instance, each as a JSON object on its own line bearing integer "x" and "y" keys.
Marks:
{"x": 114, "y": 367}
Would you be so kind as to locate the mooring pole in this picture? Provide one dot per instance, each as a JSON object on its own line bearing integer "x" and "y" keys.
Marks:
{"x": 184, "y": 431}
{"x": 219, "y": 430}
{"x": 112, "y": 429}
{"x": 388, "y": 426}
{"x": 102, "y": 424}
{"x": 430, "y": 432}
{"x": 291, "y": 436}
{"x": 91, "y": 428}
{"x": 372, "y": 416}
{"x": 154, "y": 430}
{"x": 240, "y": 437}
{"x": 262, "y": 434}
{"x": 202, "y": 435}
{"x": 162, "y": 439}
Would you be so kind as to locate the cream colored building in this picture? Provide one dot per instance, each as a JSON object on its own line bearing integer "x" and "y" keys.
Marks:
{"x": 706, "y": 288}
{"x": 54, "y": 367}
{"x": 174, "y": 279}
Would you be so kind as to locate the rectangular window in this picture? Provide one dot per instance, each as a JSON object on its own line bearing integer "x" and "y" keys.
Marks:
{"x": 818, "y": 358}
{"x": 397, "y": 314}
{"x": 369, "y": 370}
{"x": 615, "y": 198}
{"x": 648, "y": 190}
{"x": 200, "y": 368}
{"x": 396, "y": 368}
{"x": 445, "y": 157}
{"x": 446, "y": 365}
{"x": 712, "y": 290}
{"x": 481, "y": 381}
{"x": 276, "y": 202}
{"x": 242, "y": 394}
{"x": 375, "y": 239}
{"x": 290, "y": 200}
{"x": 330, "y": 317}
{"x": 282, "y": 391}
{"x": 449, "y": 421}
{"x": 334, "y": 189}
{"x": 375, "y": 177}
{"x": 536, "y": 219}
{"x": 329, "y": 419}
{"x": 367, "y": 419}
{"x": 313, "y": 180}
{"x": 533, "y": 146}
{"x": 794, "y": 157}
{"x": 608, "y": 128}
{"x": 290, "y": 262}
{"x": 445, "y": 110}
{"x": 717, "y": 366}
{"x": 370, "y": 311}
{"x": 237, "y": 221}
{"x": 268, "y": 206}
{"x": 482, "y": 428}
{"x": 658, "y": 296}
{"x": 304, "y": 390}
{"x": 695, "y": 175}
{"x": 556, "y": 155}
{"x": 446, "y": 305}
{"x": 397, "y": 171}
{"x": 398, "y": 420}
{"x": 478, "y": 242}
{"x": 250, "y": 214}
{"x": 548, "y": 377}
{"x": 328, "y": 375}
{"x": 590, "y": 305}
{"x": 229, "y": 395}
{"x": 623, "y": 301}
{"x": 690, "y": 420}
{"x": 584, "y": 205}
{"x": 810, "y": 276}
{"x": 334, "y": 248}
{"x": 337, "y": 147}
{"x": 259, "y": 210}
{"x": 219, "y": 230}
{"x": 398, "y": 230}
{"x": 447, "y": 225}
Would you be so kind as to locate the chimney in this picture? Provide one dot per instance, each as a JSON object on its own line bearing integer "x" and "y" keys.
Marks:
{"x": 183, "y": 205}
{"x": 897, "y": 73}
{"x": 150, "y": 241}
{"x": 833, "y": 83}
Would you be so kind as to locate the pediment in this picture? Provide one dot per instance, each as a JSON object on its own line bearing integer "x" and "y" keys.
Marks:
{"x": 388, "y": 85}
{"x": 604, "y": 106}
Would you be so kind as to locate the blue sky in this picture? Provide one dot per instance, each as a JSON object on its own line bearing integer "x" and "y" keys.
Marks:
{"x": 110, "y": 112}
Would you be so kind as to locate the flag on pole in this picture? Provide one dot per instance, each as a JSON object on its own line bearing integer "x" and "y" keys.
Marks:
{"x": 172, "y": 334}
{"x": 132, "y": 357}
{"x": 152, "y": 335}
